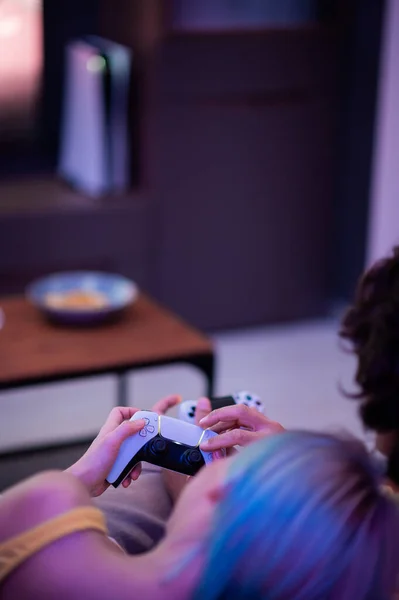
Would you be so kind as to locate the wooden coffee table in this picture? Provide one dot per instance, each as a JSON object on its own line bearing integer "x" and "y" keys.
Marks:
{"x": 33, "y": 351}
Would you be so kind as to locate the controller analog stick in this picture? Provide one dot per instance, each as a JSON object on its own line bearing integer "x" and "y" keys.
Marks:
{"x": 157, "y": 447}
{"x": 192, "y": 457}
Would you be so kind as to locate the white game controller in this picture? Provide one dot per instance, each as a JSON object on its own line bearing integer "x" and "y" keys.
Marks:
{"x": 163, "y": 441}
{"x": 187, "y": 409}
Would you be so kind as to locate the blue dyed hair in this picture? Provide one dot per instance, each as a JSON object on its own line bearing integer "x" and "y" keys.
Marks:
{"x": 302, "y": 518}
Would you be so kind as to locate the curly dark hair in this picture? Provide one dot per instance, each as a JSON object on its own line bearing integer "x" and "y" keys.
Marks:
{"x": 371, "y": 325}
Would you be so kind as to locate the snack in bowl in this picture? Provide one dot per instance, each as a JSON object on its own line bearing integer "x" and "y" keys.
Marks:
{"x": 76, "y": 300}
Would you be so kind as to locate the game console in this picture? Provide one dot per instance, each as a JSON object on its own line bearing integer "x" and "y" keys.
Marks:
{"x": 165, "y": 442}
{"x": 187, "y": 409}
{"x": 94, "y": 149}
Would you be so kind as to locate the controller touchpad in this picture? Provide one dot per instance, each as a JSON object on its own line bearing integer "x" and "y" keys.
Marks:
{"x": 187, "y": 434}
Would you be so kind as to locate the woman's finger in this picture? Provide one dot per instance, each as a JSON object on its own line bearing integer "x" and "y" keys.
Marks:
{"x": 133, "y": 475}
{"x": 235, "y": 437}
{"x": 241, "y": 416}
{"x": 202, "y": 409}
{"x": 224, "y": 426}
{"x": 162, "y": 406}
{"x": 240, "y": 413}
{"x": 136, "y": 472}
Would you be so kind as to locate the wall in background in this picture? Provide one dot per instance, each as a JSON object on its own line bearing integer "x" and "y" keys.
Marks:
{"x": 242, "y": 171}
{"x": 224, "y": 14}
{"x": 384, "y": 210}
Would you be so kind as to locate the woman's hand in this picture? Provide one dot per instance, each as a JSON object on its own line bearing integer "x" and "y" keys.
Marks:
{"x": 96, "y": 463}
{"x": 176, "y": 482}
{"x": 237, "y": 425}
{"x": 226, "y": 421}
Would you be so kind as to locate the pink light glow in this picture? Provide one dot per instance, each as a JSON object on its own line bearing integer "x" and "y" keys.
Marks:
{"x": 21, "y": 58}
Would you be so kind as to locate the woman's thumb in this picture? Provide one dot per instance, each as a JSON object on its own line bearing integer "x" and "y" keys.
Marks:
{"x": 123, "y": 432}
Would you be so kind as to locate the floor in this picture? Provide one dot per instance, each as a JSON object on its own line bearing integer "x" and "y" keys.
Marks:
{"x": 296, "y": 369}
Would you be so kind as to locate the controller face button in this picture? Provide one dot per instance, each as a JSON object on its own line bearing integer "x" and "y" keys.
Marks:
{"x": 158, "y": 447}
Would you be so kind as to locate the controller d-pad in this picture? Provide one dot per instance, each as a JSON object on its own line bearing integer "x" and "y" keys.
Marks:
{"x": 150, "y": 429}
{"x": 143, "y": 432}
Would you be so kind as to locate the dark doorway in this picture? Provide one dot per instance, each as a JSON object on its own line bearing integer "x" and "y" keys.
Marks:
{"x": 361, "y": 66}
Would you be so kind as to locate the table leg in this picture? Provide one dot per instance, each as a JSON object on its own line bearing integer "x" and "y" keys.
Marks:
{"x": 122, "y": 390}
{"x": 206, "y": 364}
